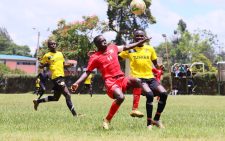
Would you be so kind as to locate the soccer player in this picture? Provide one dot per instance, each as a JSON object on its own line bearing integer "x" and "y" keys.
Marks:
{"x": 87, "y": 85}
{"x": 141, "y": 59}
{"x": 56, "y": 63}
{"x": 105, "y": 59}
{"x": 43, "y": 76}
{"x": 37, "y": 86}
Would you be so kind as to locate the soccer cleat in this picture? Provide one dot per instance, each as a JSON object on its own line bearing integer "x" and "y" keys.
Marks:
{"x": 158, "y": 124}
{"x": 136, "y": 113}
{"x": 35, "y": 104}
{"x": 106, "y": 124}
{"x": 149, "y": 127}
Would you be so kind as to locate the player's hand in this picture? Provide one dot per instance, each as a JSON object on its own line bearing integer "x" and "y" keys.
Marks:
{"x": 74, "y": 87}
{"x": 160, "y": 67}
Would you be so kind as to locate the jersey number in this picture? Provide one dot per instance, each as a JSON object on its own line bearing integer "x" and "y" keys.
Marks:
{"x": 109, "y": 58}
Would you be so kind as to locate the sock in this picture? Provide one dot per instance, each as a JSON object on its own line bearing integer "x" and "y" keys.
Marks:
{"x": 114, "y": 108}
{"x": 71, "y": 107}
{"x": 149, "y": 107}
{"x": 46, "y": 99}
{"x": 161, "y": 106}
{"x": 136, "y": 97}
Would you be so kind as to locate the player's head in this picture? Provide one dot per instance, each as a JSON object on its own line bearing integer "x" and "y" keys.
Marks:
{"x": 51, "y": 45}
{"x": 100, "y": 42}
{"x": 139, "y": 35}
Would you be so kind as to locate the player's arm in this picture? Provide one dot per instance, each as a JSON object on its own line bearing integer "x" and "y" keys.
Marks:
{"x": 81, "y": 79}
{"x": 157, "y": 66}
{"x": 132, "y": 45}
{"x": 43, "y": 62}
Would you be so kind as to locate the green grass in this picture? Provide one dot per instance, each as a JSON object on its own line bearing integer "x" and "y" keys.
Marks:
{"x": 195, "y": 118}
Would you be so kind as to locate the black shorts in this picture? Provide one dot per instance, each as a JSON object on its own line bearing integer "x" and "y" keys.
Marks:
{"x": 152, "y": 83}
{"x": 59, "y": 84}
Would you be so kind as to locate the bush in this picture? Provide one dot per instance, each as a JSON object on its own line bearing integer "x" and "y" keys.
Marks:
{"x": 206, "y": 83}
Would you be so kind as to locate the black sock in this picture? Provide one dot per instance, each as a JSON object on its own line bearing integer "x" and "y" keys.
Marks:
{"x": 71, "y": 107}
{"x": 161, "y": 106}
{"x": 149, "y": 107}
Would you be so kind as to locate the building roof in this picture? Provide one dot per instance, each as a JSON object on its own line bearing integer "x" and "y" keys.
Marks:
{"x": 16, "y": 57}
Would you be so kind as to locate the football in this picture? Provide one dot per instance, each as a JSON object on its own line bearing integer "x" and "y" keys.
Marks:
{"x": 137, "y": 7}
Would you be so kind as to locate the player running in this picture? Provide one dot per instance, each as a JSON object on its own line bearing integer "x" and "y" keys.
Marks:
{"x": 55, "y": 61}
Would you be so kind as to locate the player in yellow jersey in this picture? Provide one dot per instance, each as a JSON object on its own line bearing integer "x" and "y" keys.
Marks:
{"x": 56, "y": 63}
{"x": 88, "y": 83}
{"x": 37, "y": 86}
{"x": 142, "y": 58}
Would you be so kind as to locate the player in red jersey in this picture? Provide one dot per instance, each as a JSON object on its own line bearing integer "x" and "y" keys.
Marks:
{"x": 106, "y": 61}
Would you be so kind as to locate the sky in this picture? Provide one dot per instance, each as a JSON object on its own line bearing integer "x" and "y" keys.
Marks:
{"x": 23, "y": 19}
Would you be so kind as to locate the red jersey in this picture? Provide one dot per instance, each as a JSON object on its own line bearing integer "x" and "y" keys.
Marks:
{"x": 106, "y": 62}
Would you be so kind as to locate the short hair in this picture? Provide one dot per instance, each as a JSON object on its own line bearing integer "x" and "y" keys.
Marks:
{"x": 49, "y": 41}
{"x": 138, "y": 30}
{"x": 96, "y": 38}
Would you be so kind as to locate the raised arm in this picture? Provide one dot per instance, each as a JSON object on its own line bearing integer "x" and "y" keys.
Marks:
{"x": 130, "y": 46}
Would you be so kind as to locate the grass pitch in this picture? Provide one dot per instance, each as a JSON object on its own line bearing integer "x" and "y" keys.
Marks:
{"x": 187, "y": 118}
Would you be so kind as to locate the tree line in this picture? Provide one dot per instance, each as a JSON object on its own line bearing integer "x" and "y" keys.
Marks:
{"x": 7, "y": 46}
{"x": 74, "y": 38}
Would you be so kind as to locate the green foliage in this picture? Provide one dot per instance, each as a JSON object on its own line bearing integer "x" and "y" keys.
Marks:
{"x": 124, "y": 22}
{"x": 191, "y": 47}
{"x": 75, "y": 39}
{"x": 8, "y": 47}
{"x": 187, "y": 118}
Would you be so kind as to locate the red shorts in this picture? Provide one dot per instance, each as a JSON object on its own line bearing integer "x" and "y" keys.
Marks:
{"x": 113, "y": 83}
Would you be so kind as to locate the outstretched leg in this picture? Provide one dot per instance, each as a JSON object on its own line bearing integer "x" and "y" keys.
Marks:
{"x": 119, "y": 98}
{"x": 47, "y": 99}
{"x": 69, "y": 103}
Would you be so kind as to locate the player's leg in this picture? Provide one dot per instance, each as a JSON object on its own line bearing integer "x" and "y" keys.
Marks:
{"x": 119, "y": 98}
{"x": 149, "y": 97}
{"x": 161, "y": 104}
{"x": 90, "y": 90}
{"x": 55, "y": 97}
{"x": 136, "y": 100}
{"x": 149, "y": 103}
{"x": 67, "y": 95}
{"x": 42, "y": 90}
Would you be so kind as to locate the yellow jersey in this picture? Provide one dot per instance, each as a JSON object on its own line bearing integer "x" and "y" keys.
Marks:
{"x": 140, "y": 61}
{"x": 88, "y": 79}
{"x": 56, "y": 63}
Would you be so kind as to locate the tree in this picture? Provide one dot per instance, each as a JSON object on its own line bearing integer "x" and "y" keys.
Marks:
{"x": 75, "y": 39}
{"x": 191, "y": 47}
{"x": 123, "y": 22}
{"x": 7, "y": 46}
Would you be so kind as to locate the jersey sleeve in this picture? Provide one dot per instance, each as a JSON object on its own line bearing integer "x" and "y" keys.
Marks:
{"x": 44, "y": 59}
{"x": 123, "y": 54}
{"x": 91, "y": 64}
{"x": 154, "y": 55}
